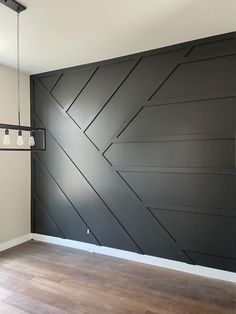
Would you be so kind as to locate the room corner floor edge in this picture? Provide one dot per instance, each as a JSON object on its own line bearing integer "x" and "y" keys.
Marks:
{"x": 135, "y": 257}
{"x": 145, "y": 259}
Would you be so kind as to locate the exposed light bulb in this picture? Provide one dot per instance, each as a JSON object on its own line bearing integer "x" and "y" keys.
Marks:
{"x": 31, "y": 140}
{"x": 20, "y": 140}
{"x": 6, "y": 139}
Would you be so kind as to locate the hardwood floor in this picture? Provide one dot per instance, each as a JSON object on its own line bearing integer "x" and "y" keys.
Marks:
{"x": 41, "y": 278}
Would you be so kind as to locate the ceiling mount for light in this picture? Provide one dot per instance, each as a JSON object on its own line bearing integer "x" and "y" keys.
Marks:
{"x": 32, "y": 132}
{"x": 14, "y": 5}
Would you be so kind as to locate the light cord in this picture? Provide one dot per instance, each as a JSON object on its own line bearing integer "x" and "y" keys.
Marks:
{"x": 18, "y": 68}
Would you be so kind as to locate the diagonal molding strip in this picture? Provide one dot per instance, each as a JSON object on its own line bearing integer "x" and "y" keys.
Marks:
{"x": 104, "y": 226}
{"x": 115, "y": 194}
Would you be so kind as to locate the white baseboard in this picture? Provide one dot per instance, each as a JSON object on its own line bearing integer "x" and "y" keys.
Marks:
{"x": 8, "y": 244}
{"x": 146, "y": 259}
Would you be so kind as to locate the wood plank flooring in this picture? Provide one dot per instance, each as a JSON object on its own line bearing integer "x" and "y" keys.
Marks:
{"x": 42, "y": 278}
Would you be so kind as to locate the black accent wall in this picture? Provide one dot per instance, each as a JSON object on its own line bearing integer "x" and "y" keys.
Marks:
{"x": 141, "y": 151}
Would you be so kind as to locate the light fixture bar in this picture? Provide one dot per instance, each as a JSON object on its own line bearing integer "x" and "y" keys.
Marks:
{"x": 14, "y": 5}
{"x": 15, "y": 127}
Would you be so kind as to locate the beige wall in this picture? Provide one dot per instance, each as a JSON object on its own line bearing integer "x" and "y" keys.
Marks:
{"x": 14, "y": 166}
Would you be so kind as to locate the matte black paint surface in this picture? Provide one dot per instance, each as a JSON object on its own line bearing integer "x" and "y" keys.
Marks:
{"x": 141, "y": 151}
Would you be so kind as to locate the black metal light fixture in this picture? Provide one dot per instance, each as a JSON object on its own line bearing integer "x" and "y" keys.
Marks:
{"x": 36, "y": 136}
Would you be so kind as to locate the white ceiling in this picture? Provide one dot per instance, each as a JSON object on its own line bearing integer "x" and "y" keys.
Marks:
{"x": 63, "y": 33}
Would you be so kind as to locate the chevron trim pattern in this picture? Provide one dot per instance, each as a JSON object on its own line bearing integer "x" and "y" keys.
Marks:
{"x": 141, "y": 153}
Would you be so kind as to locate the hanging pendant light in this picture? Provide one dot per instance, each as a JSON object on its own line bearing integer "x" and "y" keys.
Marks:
{"x": 6, "y": 139}
{"x": 41, "y": 132}
{"x": 20, "y": 140}
{"x": 31, "y": 139}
